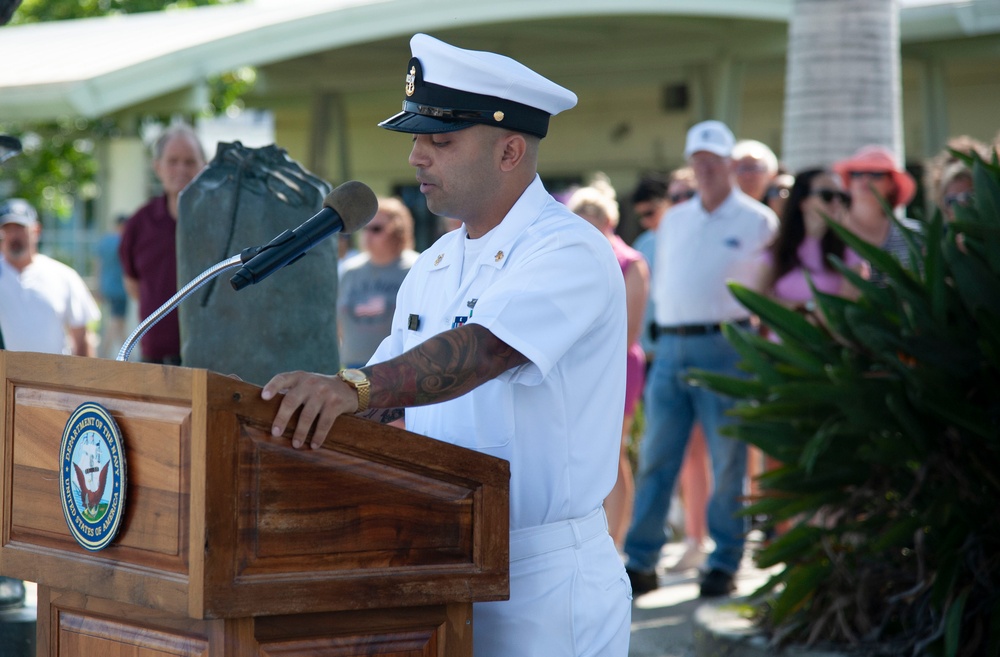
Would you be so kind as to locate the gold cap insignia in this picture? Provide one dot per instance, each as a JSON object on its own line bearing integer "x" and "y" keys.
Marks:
{"x": 498, "y": 257}
{"x": 437, "y": 260}
{"x": 410, "y": 80}
{"x": 498, "y": 116}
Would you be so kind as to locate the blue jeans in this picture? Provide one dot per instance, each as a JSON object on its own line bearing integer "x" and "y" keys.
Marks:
{"x": 671, "y": 407}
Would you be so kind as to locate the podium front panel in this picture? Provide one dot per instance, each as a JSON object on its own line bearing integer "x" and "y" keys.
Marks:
{"x": 223, "y": 520}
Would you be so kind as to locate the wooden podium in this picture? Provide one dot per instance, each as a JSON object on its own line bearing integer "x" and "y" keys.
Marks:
{"x": 232, "y": 542}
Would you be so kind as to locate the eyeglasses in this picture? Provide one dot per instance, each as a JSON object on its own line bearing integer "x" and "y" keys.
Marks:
{"x": 874, "y": 175}
{"x": 375, "y": 229}
{"x": 961, "y": 198}
{"x": 831, "y": 195}
{"x": 680, "y": 197}
{"x": 750, "y": 168}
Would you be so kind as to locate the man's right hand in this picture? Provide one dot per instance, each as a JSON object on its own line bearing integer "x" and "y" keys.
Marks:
{"x": 321, "y": 399}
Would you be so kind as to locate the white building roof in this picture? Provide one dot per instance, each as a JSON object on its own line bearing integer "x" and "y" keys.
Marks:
{"x": 95, "y": 67}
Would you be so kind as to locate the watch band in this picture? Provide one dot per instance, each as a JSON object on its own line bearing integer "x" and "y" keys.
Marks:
{"x": 364, "y": 394}
{"x": 357, "y": 380}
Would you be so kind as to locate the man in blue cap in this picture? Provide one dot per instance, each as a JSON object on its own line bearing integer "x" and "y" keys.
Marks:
{"x": 508, "y": 338}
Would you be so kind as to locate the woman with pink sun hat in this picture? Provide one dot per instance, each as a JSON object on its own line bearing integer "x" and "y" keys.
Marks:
{"x": 875, "y": 180}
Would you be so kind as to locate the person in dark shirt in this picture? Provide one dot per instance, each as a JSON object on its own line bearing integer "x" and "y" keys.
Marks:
{"x": 148, "y": 249}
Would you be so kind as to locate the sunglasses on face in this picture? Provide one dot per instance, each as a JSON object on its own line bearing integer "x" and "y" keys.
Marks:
{"x": 831, "y": 195}
{"x": 680, "y": 197}
{"x": 961, "y": 198}
{"x": 873, "y": 175}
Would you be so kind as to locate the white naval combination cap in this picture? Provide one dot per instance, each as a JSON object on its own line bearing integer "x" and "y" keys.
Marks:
{"x": 712, "y": 136}
{"x": 449, "y": 88}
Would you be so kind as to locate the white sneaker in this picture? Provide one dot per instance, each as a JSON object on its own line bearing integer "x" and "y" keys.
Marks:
{"x": 693, "y": 557}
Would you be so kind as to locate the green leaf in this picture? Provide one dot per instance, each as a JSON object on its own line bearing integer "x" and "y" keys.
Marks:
{"x": 881, "y": 260}
{"x": 933, "y": 268}
{"x": 787, "y": 323}
{"x": 953, "y": 624}
{"x": 897, "y": 534}
{"x": 730, "y": 386}
{"x": 987, "y": 196}
{"x": 801, "y": 584}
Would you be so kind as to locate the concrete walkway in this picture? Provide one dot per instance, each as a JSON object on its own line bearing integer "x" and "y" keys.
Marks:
{"x": 663, "y": 620}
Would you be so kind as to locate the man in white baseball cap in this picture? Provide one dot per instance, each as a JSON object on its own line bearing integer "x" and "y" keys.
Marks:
{"x": 711, "y": 137}
{"x": 701, "y": 245}
{"x": 44, "y": 305}
{"x": 508, "y": 338}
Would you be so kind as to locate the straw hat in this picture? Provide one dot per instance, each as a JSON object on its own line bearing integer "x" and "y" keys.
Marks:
{"x": 878, "y": 158}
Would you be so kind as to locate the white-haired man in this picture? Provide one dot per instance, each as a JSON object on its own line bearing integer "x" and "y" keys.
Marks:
{"x": 755, "y": 166}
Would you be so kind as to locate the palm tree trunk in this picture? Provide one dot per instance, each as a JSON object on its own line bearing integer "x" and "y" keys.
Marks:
{"x": 843, "y": 86}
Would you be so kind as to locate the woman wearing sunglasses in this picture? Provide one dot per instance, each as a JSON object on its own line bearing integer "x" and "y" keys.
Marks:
{"x": 803, "y": 244}
{"x": 872, "y": 178}
{"x": 366, "y": 297}
{"x": 798, "y": 254}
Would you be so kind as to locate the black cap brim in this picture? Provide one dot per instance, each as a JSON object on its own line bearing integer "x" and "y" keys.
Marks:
{"x": 419, "y": 124}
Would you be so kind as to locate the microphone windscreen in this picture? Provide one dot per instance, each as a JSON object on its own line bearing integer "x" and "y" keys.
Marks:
{"x": 355, "y": 202}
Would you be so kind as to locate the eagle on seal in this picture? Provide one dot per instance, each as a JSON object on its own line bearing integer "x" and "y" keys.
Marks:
{"x": 91, "y": 499}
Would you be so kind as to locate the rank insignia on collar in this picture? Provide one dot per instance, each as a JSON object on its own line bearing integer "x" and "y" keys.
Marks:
{"x": 437, "y": 260}
{"x": 410, "y": 80}
{"x": 498, "y": 257}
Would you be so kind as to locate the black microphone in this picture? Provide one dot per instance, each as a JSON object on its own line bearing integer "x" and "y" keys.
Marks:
{"x": 347, "y": 208}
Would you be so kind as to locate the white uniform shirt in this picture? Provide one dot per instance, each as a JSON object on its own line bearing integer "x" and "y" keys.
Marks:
{"x": 698, "y": 252}
{"x": 547, "y": 284}
{"x": 39, "y": 304}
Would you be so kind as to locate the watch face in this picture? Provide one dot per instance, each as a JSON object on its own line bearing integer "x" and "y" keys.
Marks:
{"x": 354, "y": 376}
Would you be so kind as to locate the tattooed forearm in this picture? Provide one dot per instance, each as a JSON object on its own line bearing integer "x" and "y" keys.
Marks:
{"x": 444, "y": 367}
{"x": 382, "y": 415}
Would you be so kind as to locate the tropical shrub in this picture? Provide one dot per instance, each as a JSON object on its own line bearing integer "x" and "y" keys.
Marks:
{"x": 885, "y": 413}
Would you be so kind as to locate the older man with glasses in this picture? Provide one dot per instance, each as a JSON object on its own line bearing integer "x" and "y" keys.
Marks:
{"x": 755, "y": 166}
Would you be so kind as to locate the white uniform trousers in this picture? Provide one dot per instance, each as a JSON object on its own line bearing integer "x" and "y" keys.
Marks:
{"x": 569, "y": 595}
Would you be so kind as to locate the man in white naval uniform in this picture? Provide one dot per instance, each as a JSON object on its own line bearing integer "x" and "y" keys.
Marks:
{"x": 508, "y": 338}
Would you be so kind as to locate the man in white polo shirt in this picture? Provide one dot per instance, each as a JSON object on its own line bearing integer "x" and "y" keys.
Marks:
{"x": 44, "y": 305}
{"x": 508, "y": 338}
{"x": 701, "y": 244}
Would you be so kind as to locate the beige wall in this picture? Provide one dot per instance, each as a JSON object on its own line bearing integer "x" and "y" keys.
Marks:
{"x": 624, "y": 130}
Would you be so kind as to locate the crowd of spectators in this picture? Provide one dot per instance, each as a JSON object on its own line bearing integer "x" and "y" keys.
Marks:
{"x": 731, "y": 212}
